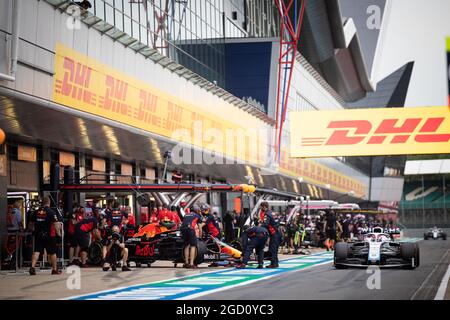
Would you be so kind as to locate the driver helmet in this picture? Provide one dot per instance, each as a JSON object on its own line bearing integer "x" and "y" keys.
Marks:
{"x": 195, "y": 208}
{"x": 205, "y": 208}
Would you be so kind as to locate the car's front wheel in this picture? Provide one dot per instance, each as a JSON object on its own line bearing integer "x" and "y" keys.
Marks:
{"x": 341, "y": 250}
{"x": 409, "y": 252}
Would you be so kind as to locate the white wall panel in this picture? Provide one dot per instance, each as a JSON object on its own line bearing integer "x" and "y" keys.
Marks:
{"x": 45, "y": 59}
{"x": 65, "y": 34}
{"x": 57, "y": 17}
{"x": 28, "y": 20}
{"x": 45, "y": 35}
{"x": 80, "y": 39}
{"x": 94, "y": 46}
{"x": 107, "y": 49}
{"x": 5, "y": 15}
{"x": 24, "y": 79}
{"x": 27, "y": 52}
{"x": 118, "y": 55}
{"x": 4, "y": 55}
{"x": 42, "y": 85}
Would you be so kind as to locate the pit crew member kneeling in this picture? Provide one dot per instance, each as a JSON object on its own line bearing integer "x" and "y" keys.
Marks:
{"x": 254, "y": 238}
{"x": 268, "y": 221}
{"x": 116, "y": 251}
{"x": 83, "y": 231}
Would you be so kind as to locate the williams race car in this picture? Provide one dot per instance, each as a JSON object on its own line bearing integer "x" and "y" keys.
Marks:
{"x": 376, "y": 248}
{"x": 435, "y": 233}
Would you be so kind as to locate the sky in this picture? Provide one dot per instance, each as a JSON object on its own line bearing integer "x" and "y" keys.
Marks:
{"x": 416, "y": 31}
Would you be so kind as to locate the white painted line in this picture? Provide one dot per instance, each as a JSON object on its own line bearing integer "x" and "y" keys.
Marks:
{"x": 204, "y": 293}
{"x": 138, "y": 285}
{"x": 111, "y": 291}
{"x": 440, "y": 295}
{"x": 429, "y": 275}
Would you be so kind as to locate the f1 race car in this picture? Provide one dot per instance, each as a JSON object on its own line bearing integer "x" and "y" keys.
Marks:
{"x": 435, "y": 233}
{"x": 377, "y": 248}
{"x": 159, "y": 241}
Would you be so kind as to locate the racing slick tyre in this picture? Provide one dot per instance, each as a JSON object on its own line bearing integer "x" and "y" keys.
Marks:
{"x": 236, "y": 244}
{"x": 425, "y": 236}
{"x": 409, "y": 251}
{"x": 95, "y": 253}
{"x": 340, "y": 254}
{"x": 201, "y": 251}
{"x": 444, "y": 236}
{"x": 417, "y": 255}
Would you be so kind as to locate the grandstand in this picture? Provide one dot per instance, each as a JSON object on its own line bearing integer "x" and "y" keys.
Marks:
{"x": 425, "y": 201}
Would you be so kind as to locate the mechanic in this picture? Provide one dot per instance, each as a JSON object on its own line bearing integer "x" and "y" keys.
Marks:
{"x": 43, "y": 223}
{"x": 190, "y": 221}
{"x": 163, "y": 212}
{"x": 169, "y": 215}
{"x": 346, "y": 227}
{"x": 116, "y": 251}
{"x": 72, "y": 219}
{"x": 228, "y": 224}
{"x": 292, "y": 229}
{"x": 211, "y": 224}
{"x": 268, "y": 221}
{"x": 254, "y": 238}
{"x": 116, "y": 216}
{"x": 154, "y": 216}
{"x": 330, "y": 228}
{"x": 83, "y": 231}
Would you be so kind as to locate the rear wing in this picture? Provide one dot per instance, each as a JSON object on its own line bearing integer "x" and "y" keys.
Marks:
{"x": 391, "y": 231}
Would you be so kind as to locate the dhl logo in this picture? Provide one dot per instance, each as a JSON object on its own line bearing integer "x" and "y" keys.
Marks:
{"x": 390, "y": 131}
{"x": 76, "y": 82}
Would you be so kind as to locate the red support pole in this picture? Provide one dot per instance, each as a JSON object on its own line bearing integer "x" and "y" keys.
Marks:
{"x": 291, "y": 43}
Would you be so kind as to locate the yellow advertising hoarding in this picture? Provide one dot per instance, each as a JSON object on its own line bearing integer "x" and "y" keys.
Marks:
{"x": 90, "y": 86}
{"x": 320, "y": 175}
{"x": 87, "y": 85}
{"x": 370, "y": 132}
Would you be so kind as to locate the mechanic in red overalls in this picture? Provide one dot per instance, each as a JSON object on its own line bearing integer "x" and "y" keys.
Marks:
{"x": 169, "y": 215}
{"x": 154, "y": 216}
{"x": 211, "y": 224}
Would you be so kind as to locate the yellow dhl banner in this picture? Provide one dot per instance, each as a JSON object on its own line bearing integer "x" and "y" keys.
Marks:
{"x": 87, "y": 85}
{"x": 320, "y": 175}
{"x": 370, "y": 132}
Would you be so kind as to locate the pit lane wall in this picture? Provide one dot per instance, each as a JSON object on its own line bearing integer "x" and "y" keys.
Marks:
{"x": 88, "y": 71}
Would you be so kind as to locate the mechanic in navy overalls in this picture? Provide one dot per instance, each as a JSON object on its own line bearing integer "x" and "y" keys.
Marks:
{"x": 268, "y": 221}
{"x": 254, "y": 238}
{"x": 191, "y": 222}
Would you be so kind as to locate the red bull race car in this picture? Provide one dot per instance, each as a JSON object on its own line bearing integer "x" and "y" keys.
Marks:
{"x": 160, "y": 241}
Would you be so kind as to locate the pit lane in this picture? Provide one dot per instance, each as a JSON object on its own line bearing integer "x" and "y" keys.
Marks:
{"x": 298, "y": 278}
{"x": 326, "y": 283}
